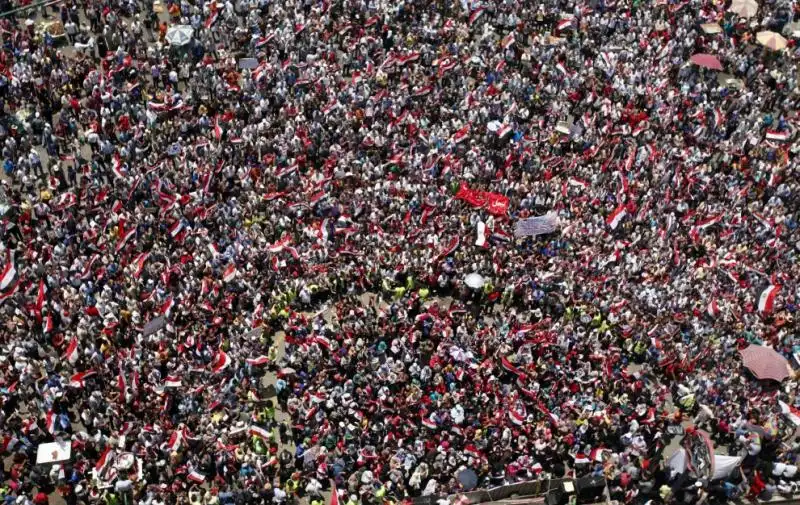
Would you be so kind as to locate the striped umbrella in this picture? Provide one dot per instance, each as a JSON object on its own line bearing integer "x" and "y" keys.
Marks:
{"x": 765, "y": 362}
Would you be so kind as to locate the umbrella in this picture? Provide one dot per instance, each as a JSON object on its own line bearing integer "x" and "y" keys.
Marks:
{"x": 706, "y": 61}
{"x": 771, "y": 40}
{"x": 744, "y": 8}
{"x": 468, "y": 479}
{"x": 179, "y": 35}
{"x": 711, "y": 28}
{"x": 474, "y": 280}
{"x": 765, "y": 363}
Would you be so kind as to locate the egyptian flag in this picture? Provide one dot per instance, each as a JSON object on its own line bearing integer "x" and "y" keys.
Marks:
{"x": 104, "y": 460}
{"x": 221, "y": 362}
{"x": 9, "y": 279}
{"x": 71, "y": 354}
{"x": 461, "y": 134}
{"x": 40, "y": 296}
{"x": 167, "y": 305}
{"x": 582, "y": 459}
{"x": 230, "y": 273}
{"x": 212, "y": 18}
{"x": 508, "y": 40}
{"x": 175, "y": 441}
{"x": 172, "y": 381}
{"x": 766, "y": 302}
{"x": 262, "y": 41}
{"x": 777, "y": 135}
{"x": 117, "y": 168}
{"x": 508, "y": 367}
{"x": 176, "y": 228}
{"x": 65, "y": 201}
{"x": 139, "y": 261}
{"x": 472, "y": 451}
{"x": 451, "y": 246}
{"x": 50, "y": 422}
{"x": 565, "y": 24}
{"x": 125, "y": 236}
{"x": 429, "y": 423}
{"x": 79, "y": 379}
{"x": 259, "y": 361}
{"x": 122, "y": 383}
{"x": 259, "y": 432}
{"x": 575, "y": 182}
{"x": 48, "y": 324}
{"x": 518, "y": 414}
{"x": 504, "y": 130}
{"x": 474, "y": 15}
{"x": 322, "y": 233}
{"x": 706, "y": 223}
{"x": 196, "y": 477}
{"x": 615, "y": 218}
{"x": 713, "y": 309}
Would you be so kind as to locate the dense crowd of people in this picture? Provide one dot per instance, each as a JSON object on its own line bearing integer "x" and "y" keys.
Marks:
{"x": 171, "y": 209}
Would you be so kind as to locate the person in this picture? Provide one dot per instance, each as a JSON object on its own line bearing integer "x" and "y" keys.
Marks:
{"x": 311, "y": 222}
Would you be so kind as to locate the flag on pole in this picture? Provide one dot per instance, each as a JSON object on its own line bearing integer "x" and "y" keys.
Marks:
{"x": 615, "y": 218}
{"x": 230, "y": 273}
{"x": 258, "y": 431}
{"x": 71, "y": 354}
{"x": 221, "y": 362}
{"x": 40, "y": 295}
{"x": 565, "y": 24}
{"x": 104, "y": 460}
{"x": 78, "y": 380}
{"x": 713, "y": 308}
{"x": 139, "y": 261}
{"x": 259, "y": 361}
{"x": 474, "y": 15}
{"x": 50, "y": 422}
{"x": 196, "y": 477}
{"x": 167, "y": 305}
{"x": 8, "y": 278}
{"x": 778, "y": 135}
{"x": 125, "y": 236}
{"x": 172, "y": 381}
{"x": 117, "y": 167}
{"x": 766, "y": 302}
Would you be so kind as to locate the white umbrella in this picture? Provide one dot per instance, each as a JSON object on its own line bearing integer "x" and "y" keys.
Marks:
{"x": 179, "y": 35}
{"x": 771, "y": 40}
{"x": 744, "y": 8}
{"x": 474, "y": 280}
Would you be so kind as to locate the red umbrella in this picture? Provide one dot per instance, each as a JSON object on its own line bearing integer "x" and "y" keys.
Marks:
{"x": 706, "y": 61}
{"x": 765, "y": 363}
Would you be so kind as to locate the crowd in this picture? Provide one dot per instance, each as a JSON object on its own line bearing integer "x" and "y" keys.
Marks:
{"x": 170, "y": 210}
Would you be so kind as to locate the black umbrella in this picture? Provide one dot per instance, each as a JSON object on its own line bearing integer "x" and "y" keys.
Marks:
{"x": 468, "y": 479}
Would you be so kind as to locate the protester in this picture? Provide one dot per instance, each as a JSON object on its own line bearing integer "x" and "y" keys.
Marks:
{"x": 329, "y": 191}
